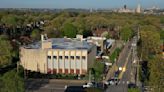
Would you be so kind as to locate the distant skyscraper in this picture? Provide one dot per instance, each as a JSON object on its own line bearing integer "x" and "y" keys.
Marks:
{"x": 125, "y": 7}
{"x": 138, "y": 10}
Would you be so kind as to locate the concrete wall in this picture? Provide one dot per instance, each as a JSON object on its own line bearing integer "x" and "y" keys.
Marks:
{"x": 34, "y": 59}
{"x": 37, "y": 60}
{"x": 91, "y": 57}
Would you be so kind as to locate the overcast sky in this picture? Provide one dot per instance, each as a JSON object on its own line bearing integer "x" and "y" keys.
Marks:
{"x": 79, "y": 3}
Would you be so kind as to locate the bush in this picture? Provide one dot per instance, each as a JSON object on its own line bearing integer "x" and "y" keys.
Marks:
{"x": 98, "y": 69}
{"x": 115, "y": 55}
{"x": 93, "y": 90}
{"x": 133, "y": 90}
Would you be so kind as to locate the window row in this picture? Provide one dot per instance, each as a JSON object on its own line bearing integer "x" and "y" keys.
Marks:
{"x": 67, "y": 57}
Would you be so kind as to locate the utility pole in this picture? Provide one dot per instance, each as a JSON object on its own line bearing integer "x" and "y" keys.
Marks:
{"x": 138, "y": 37}
{"x": 90, "y": 76}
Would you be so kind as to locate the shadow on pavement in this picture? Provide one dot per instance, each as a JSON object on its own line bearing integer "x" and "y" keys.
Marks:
{"x": 35, "y": 84}
{"x": 75, "y": 89}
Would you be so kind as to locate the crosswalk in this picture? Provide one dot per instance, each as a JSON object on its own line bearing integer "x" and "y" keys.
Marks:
{"x": 124, "y": 82}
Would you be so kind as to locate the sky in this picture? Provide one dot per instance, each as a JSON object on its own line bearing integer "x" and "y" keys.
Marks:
{"x": 79, "y": 3}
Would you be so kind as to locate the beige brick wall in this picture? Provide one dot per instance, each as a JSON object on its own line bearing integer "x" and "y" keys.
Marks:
{"x": 34, "y": 59}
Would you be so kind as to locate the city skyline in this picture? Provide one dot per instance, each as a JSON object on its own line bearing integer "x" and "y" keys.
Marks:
{"x": 79, "y": 3}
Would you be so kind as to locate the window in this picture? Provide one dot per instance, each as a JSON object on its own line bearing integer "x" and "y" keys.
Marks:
{"x": 66, "y": 57}
{"x": 49, "y": 57}
{"x": 60, "y": 57}
{"x": 83, "y": 57}
{"x": 78, "y": 57}
{"x": 54, "y": 57}
{"x": 72, "y": 57}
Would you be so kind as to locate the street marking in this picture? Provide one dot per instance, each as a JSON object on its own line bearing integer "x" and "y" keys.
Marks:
{"x": 119, "y": 82}
{"x": 122, "y": 72}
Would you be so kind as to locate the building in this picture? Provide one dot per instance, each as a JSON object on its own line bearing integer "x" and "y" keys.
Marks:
{"x": 125, "y": 10}
{"x": 58, "y": 55}
{"x": 103, "y": 44}
{"x": 138, "y": 9}
{"x": 100, "y": 42}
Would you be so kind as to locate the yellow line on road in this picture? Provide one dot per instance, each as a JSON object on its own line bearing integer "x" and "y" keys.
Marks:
{"x": 124, "y": 67}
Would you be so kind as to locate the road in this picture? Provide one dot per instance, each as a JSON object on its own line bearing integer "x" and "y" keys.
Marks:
{"x": 124, "y": 61}
{"x": 53, "y": 85}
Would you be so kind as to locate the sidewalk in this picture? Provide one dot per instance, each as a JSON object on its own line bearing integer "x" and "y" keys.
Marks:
{"x": 68, "y": 81}
{"x": 60, "y": 80}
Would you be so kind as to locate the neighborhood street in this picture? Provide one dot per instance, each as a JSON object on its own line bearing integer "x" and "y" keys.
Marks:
{"x": 124, "y": 61}
{"x": 50, "y": 85}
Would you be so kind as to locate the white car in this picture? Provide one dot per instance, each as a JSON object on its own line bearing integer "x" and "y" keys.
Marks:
{"x": 110, "y": 82}
{"x": 88, "y": 85}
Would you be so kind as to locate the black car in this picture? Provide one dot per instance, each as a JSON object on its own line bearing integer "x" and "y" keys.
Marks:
{"x": 75, "y": 89}
{"x": 131, "y": 85}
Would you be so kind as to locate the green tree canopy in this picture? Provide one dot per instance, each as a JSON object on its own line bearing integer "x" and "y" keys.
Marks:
{"x": 150, "y": 41}
{"x": 5, "y": 51}
{"x": 35, "y": 34}
{"x": 126, "y": 33}
{"x": 162, "y": 34}
{"x": 12, "y": 82}
{"x": 9, "y": 20}
{"x": 69, "y": 30}
{"x": 156, "y": 65}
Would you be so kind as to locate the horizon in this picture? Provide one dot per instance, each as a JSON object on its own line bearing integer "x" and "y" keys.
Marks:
{"x": 80, "y": 4}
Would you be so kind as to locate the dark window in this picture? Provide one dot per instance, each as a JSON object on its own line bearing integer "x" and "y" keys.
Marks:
{"x": 60, "y": 57}
{"x": 83, "y": 57}
{"x": 49, "y": 57}
{"x": 72, "y": 57}
{"x": 66, "y": 57}
{"x": 55, "y": 57}
{"x": 77, "y": 57}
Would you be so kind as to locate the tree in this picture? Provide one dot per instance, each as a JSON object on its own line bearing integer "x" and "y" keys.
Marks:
{"x": 5, "y": 51}
{"x": 126, "y": 33}
{"x": 12, "y": 82}
{"x": 9, "y": 20}
{"x": 98, "y": 70}
{"x": 52, "y": 32}
{"x": 162, "y": 34}
{"x": 35, "y": 34}
{"x": 150, "y": 42}
{"x": 87, "y": 33}
{"x": 156, "y": 66}
{"x": 69, "y": 30}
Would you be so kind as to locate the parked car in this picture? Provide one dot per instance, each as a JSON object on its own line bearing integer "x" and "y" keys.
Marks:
{"x": 87, "y": 85}
{"x": 112, "y": 81}
{"x": 131, "y": 85}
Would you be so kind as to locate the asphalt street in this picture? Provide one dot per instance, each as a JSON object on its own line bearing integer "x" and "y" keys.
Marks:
{"x": 45, "y": 85}
{"x": 125, "y": 60}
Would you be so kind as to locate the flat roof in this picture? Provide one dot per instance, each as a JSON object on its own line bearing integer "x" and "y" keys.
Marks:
{"x": 63, "y": 43}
